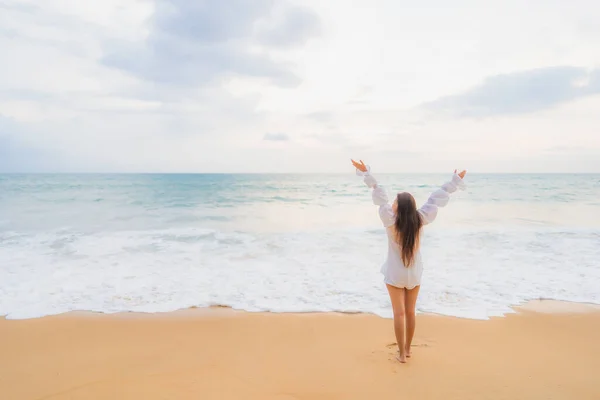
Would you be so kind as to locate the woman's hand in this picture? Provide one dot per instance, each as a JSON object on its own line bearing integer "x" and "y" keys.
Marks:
{"x": 360, "y": 166}
{"x": 461, "y": 173}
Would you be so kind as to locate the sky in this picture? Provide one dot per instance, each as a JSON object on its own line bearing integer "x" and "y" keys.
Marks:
{"x": 299, "y": 86}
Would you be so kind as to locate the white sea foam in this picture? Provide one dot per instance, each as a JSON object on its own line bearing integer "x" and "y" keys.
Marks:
{"x": 469, "y": 273}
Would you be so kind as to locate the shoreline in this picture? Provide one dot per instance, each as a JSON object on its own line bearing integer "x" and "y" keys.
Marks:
{"x": 222, "y": 353}
{"x": 546, "y": 306}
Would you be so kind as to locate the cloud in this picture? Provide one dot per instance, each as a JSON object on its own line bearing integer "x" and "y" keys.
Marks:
{"x": 521, "y": 92}
{"x": 17, "y": 156}
{"x": 276, "y": 137}
{"x": 320, "y": 116}
{"x": 293, "y": 27}
{"x": 168, "y": 99}
{"x": 197, "y": 42}
{"x": 174, "y": 85}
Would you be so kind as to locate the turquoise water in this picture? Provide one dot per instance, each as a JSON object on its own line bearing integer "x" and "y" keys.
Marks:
{"x": 150, "y": 242}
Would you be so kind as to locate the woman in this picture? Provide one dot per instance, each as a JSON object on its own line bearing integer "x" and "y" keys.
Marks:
{"x": 403, "y": 268}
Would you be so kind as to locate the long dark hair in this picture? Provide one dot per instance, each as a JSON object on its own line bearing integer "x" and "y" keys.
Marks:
{"x": 408, "y": 227}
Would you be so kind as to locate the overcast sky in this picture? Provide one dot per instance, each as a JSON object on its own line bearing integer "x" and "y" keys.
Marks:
{"x": 299, "y": 86}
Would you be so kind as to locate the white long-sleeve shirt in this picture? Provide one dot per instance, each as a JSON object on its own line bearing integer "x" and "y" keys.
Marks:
{"x": 393, "y": 269}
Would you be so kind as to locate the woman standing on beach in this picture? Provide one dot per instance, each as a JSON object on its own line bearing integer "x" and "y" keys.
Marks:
{"x": 403, "y": 268}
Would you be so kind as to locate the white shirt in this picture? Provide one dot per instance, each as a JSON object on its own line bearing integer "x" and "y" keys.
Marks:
{"x": 393, "y": 269}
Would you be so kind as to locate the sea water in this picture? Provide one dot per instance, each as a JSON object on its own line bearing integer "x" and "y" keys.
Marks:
{"x": 288, "y": 243}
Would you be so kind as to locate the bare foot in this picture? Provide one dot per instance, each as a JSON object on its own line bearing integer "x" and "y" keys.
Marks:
{"x": 401, "y": 358}
{"x": 408, "y": 353}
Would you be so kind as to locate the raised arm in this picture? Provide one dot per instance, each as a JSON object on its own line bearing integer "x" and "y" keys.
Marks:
{"x": 379, "y": 194}
{"x": 441, "y": 196}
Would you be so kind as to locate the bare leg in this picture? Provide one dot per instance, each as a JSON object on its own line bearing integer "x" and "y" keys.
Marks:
{"x": 397, "y": 298}
{"x": 410, "y": 303}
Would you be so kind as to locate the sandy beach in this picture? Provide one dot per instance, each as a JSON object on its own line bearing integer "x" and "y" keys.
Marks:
{"x": 225, "y": 354}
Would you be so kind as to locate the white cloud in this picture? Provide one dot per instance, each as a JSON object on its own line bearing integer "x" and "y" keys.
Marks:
{"x": 143, "y": 86}
{"x": 276, "y": 137}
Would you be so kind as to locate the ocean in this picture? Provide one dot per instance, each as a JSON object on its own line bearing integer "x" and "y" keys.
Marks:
{"x": 288, "y": 243}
